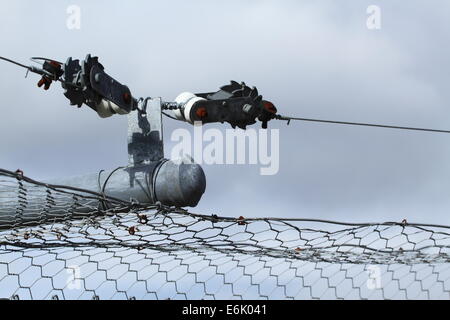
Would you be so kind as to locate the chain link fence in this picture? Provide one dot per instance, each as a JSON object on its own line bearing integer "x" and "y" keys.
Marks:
{"x": 58, "y": 242}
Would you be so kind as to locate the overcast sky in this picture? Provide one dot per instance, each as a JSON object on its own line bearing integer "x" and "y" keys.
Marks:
{"x": 311, "y": 58}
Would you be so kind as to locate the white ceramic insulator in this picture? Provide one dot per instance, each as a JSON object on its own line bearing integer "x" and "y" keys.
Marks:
{"x": 186, "y": 100}
{"x": 107, "y": 108}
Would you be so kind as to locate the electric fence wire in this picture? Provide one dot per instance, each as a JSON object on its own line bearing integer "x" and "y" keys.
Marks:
{"x": 280, "y": 117}
{"x": 59, "y": 242}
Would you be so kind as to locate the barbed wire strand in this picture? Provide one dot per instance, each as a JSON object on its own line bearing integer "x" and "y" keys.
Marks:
{"x": 57, "y": 243}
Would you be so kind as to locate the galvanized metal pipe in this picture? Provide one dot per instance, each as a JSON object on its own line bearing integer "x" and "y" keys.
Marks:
{"x": 148, "y": 179}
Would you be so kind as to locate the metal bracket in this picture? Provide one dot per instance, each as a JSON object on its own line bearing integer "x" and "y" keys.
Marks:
{"x": 145, "y": 135}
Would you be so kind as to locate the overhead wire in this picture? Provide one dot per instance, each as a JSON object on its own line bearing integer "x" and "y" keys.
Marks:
{"x": 280, "y": 117}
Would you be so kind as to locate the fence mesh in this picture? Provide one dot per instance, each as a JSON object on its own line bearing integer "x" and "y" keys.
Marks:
{"x": 58, "y": 242}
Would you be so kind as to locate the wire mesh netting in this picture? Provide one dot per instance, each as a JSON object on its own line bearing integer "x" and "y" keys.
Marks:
{"x": 59, "y": 242}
